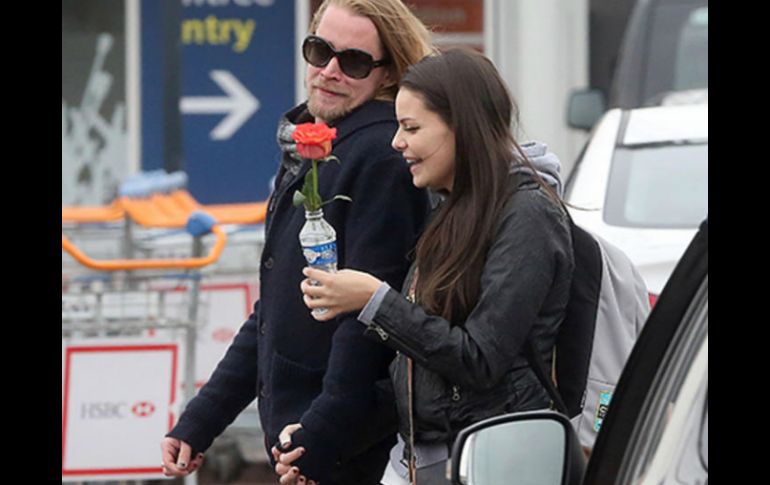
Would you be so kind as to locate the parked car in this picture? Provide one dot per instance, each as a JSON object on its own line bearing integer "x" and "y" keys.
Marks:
{"x": 656, "y": 429}
{"x": 664, "y": 51}
{"x": 641, "y": 183}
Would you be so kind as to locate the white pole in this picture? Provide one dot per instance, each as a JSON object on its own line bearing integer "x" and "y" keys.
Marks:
{"x": 133, "y": 85}
{"x": 301, "y": 22}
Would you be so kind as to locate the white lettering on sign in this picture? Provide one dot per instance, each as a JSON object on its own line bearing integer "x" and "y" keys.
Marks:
{"x": 102, "y": 410}
{"x": 116, "y": 410}
{"x": 239, "y": 104}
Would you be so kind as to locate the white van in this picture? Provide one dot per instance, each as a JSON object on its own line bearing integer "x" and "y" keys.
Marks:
{"x": 664, "y": 52}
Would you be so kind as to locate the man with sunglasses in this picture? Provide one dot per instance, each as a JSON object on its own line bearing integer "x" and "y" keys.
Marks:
{"x": 323, "y": 382}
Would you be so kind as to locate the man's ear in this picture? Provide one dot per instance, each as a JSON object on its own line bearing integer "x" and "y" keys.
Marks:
{"x": 388, "y": 80}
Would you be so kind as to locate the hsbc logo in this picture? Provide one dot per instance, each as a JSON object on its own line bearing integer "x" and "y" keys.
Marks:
{"x": 116, "y": 410}
{"x": 143, "y": 409}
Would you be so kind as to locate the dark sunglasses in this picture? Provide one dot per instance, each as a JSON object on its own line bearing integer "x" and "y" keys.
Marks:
{"x": 354, "y": 63}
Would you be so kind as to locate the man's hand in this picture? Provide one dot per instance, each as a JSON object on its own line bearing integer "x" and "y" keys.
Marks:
{"x": 289, "y": 475}
{"x": 176, "y": 458}
{"x": 341, "y": 292}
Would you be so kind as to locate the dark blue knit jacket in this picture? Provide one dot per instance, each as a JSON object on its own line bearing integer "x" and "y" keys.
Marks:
{"x": 321, "y": 375}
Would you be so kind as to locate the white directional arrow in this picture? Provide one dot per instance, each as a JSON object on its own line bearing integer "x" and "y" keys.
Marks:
{"x": 239, "y": 104}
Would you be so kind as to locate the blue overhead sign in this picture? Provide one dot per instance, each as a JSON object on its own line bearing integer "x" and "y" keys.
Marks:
{"x": 238, "y": 76}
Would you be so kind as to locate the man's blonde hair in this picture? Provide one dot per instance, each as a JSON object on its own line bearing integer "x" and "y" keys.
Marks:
{"x": 404, "y": 38}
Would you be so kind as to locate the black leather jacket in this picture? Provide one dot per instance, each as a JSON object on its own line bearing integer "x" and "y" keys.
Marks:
{"x": 469, "y": 372}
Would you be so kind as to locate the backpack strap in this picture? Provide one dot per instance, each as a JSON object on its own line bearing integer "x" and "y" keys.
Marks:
{"x": 535, "y": 358}
{"x": 575, "y": 337}
{"x": 538, "y": 366}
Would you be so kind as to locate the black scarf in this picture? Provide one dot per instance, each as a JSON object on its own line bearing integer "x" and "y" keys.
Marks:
{"x": 291, "y": 160}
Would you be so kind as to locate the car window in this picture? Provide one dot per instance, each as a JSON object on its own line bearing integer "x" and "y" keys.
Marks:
{"x": 658, "y": 186}
{"x": 678, "y": 51}
{"x": 690, "y": 455}
{"x": 668, "y": 437}
{"x": 691, "y": 67}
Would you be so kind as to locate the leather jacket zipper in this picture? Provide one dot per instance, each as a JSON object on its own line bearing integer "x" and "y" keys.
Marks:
{"x": 384, "y": 336}
{"x": 380, "y": 331}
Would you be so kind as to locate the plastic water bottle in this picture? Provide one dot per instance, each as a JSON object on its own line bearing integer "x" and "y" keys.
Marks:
{"x": 319, "y": 245}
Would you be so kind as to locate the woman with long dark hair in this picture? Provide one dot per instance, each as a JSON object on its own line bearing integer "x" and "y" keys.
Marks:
{"x": 492, "y": 269}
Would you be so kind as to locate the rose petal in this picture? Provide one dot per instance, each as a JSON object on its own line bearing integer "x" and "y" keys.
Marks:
{"x": 313, "y": 133}
{"x": 313, "y": 152}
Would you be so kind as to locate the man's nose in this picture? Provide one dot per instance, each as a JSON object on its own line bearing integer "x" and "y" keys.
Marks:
{"x": 332, "y": 69}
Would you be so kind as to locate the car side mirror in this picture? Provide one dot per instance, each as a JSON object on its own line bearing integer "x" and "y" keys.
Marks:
{"x": 538, "y": 447}
{"x": 585, "y": 108}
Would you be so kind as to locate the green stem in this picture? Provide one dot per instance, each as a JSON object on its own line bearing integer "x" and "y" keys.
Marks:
{"x": 316, "y": 195}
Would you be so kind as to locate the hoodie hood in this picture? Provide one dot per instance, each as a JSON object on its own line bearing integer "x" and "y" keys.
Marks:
{"x": 546, "y": 163}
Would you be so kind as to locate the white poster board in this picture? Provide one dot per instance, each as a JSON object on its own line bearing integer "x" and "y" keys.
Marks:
{"x": 119, "y": 399}
{"x": 225, "y": 305}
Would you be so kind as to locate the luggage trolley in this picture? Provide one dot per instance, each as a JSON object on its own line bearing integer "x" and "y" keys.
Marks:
{"x": 117, "y": 381}
{"x": 145, "y": 223}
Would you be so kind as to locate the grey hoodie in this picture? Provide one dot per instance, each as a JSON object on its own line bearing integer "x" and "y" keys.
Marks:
{"x": 546, "y": 163}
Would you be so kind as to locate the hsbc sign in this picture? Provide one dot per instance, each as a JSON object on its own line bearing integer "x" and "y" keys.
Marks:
{"x": 116, "y": 410}
{"x": 119, "y": 399}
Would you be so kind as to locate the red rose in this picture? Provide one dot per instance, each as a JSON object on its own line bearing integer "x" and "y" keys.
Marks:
{"x": 314, "y": 140}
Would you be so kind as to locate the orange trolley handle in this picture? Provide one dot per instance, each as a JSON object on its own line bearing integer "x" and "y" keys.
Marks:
{"x": 198, "y": 224}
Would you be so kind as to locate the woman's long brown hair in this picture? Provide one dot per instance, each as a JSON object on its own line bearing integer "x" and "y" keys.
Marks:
{"x": 465, "y": 90}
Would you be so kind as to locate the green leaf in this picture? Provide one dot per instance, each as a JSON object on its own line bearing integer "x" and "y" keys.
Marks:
{"x": 309, "y": 196}
{"x": 337, "y": 197}
{"x": 298, "y": 199}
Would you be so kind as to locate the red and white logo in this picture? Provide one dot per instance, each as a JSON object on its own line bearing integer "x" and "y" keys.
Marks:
{"x": 143, "y": 409}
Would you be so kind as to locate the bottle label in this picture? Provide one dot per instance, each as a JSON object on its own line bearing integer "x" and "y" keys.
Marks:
{"x": 321, "y": 255}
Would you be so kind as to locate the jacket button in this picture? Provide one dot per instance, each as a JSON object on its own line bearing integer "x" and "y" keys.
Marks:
{"x": 269, "y": 263}
{"x": 262, "y": 392}
{"x": 262, "y": 327}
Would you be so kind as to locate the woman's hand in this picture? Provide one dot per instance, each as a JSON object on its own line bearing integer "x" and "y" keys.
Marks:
{"x": 345, "y": 291}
